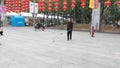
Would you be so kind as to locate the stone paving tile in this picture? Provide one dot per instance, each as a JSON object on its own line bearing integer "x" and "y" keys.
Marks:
{"x": 22, "y": 47}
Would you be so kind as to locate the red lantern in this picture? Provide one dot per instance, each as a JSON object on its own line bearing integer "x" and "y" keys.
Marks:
{"x": 56, "y": 4}
{"x": 49, "y": 1}
{"x": 118, "y": 3}
{"x": 40, "y": 5}
{"x": 65, "y": 8}
{"x": 83, "y": 0}
{"x": 27, "y": 3}
{"x": 83, "y": 5}
{"x": 65, "y": 3}
{"x": 43, "y": 8}
{"x": 16, "y": 2}
{"x": 7, "y": 5}
{"x": 23, "y": 6}
{"x": 108, "y": 3}
{"x": 12, "y": 8}
{"x": 50, "y": 9}
{"x": 22, "y": 3}
{"x": 27, "y": 6}
{"x": 18, "y": 11}
{"x": 13, "y": 2}
{"x": 56, "y": 8}
{"x": 19, "y": 2}
{"x": 7, "y": 10}
{"x": 7, "y": 2}
{"x": 15, "y": 8}
{"x": 72, "y": 6}
{"x": 43, "y": 4}
{"x": 40, "y": 1}
{"x": 40, "y": 8}
{"x": 50, "y": 5}
{"x": 26, "y": 0}
{"x": 18, "y": 8}
{"x": 73, "y": 2}
{"x": 56, "y": 0}
{"x": 19, "y": 5}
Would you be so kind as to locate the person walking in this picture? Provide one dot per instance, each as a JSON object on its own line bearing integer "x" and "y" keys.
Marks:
{"x": 1, "y": 23}
{"x": 69, "y": 29}
{"x": 119, "y": 25}
{"x": 1, "y": 31}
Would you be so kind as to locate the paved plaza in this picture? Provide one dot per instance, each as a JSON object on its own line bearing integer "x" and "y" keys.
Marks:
{"x": 22, "y": 47}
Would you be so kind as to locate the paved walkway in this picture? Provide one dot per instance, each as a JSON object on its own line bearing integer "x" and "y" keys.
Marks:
{"x": 22, "y": 47}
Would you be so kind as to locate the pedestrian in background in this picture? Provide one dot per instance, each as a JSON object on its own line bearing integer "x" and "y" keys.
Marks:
{"x": 69, "y": 29}
{"x": 119, "y": 25}
{"x": 1, "y": 31}
{"x": 1, "y": 23}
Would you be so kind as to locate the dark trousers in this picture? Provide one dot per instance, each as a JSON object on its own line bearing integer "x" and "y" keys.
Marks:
{"x": 1, "y": 32}
{"x": 118, "y": 26}
{"x": 69, "y": 35}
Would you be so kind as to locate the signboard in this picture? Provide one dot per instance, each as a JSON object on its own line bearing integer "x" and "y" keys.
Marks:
{"x": 36, "y": 7}
{"x": 33, "y": 7}
{"x": 96, "y": 18}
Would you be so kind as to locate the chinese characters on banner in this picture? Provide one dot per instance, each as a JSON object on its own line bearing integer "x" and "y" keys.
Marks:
{"x": 33, "y": 7}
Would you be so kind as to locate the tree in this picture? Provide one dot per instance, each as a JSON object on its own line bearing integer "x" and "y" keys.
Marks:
{"x": 109, "y": 14}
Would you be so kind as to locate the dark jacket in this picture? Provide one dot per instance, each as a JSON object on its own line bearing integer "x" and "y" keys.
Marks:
{"x": 1, "y": 23}
{"x": 69, "y": 26}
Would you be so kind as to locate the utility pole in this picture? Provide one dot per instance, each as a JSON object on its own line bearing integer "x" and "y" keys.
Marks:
{"x": 34, "y": 13}
{"x": 2, "y": 2}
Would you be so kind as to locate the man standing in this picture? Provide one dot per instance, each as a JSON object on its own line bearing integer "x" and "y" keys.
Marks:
{"x": 1, "y": 24}
{"x": 69, "y": 29}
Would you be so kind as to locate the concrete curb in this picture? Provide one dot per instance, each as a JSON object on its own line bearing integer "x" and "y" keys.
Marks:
{"x": 87, "y": 31}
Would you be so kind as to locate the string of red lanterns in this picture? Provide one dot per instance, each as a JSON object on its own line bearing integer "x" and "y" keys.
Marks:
{"x": 18, "y": 5}
{"x": 65, "y": 5}
{"x": 41, "y": 5}
{"x": 8, "y": 4}
{"x": 49, "y": 5}
{"x": 25, "y": 5}
{"x": 17, "y": 8}
{"x": 56, "y": 5}
{"x": 73, "y": 2}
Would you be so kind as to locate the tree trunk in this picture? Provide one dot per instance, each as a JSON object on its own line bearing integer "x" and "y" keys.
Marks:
{"x": 101, "y": 12}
